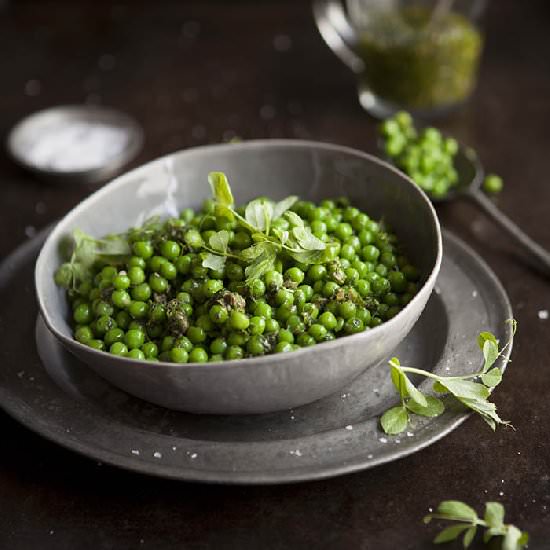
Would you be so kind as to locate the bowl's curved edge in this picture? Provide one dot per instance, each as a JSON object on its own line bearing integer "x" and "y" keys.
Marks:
{"x": 59, "y": 228}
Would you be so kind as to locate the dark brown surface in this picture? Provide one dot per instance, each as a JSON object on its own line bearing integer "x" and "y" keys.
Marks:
{"x": 202, "y": 72}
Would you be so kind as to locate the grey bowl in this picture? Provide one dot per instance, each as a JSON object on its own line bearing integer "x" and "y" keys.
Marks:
{"x": 275, "y": 168}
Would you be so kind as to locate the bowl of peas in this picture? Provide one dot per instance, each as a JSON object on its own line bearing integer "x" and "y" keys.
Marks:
{"x": 241, "y": 278}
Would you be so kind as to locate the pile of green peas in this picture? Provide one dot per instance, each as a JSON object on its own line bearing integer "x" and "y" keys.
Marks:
{"x": 161, "y": 303}
{"x": 426, "y": 156}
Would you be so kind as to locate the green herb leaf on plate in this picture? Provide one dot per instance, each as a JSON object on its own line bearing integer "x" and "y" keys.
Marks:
{"x": 394, "y": 421}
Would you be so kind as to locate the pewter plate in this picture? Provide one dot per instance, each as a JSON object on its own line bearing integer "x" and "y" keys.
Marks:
{"x": 50, "y": 392}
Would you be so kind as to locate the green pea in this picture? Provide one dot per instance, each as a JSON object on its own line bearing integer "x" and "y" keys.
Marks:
{"x": 134, "y": 338}
{"x": 136, "y": 275}
{"x": 170, "y": 249}
{"x": 196, "y": 334}
{"x": 83, "y": 314}
{"x": 118, "y": 348}
{"x": 198, "y": 355}
{"x": 143, "y": 249}
{"x": 492, "y": 184}
{"x": 179, "y": 355}
{"x": 234, "y": 352}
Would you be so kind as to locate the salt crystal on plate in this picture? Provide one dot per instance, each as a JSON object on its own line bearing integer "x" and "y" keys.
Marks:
{"x": 156, "y": 454}
{"x": 543, "y": 314}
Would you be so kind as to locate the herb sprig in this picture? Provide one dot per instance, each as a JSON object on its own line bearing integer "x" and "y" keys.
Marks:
{"x": 469, "y": 521}
{"x": 472, "y": 390}
{"x": 298, "y": 242}
{"x": 85, "y": 252}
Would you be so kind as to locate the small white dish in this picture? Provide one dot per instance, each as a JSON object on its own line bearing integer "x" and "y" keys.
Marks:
{"x": 75, "y": 143}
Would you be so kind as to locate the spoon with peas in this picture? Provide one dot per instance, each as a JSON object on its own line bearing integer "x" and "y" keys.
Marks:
{"x": 466, "y": 177}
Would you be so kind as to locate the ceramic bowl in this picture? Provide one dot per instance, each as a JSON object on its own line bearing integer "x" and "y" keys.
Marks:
{"x": 274, "y": 168}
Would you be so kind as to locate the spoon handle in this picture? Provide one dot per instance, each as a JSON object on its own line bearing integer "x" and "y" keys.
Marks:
{"x": 533, "y": 248}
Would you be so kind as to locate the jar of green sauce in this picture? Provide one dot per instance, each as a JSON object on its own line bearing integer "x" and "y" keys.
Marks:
{"x": 420, "y": 56}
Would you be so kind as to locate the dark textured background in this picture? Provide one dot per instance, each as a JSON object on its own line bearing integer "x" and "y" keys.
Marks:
{"x": 201, "y": 72}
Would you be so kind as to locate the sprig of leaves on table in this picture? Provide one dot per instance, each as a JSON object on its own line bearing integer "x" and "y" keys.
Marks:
{"x": 298, "y": 242}
{"x": 85, "y": 251}
{"x": 469, "y": 521}
{"x": 472, "y": 390}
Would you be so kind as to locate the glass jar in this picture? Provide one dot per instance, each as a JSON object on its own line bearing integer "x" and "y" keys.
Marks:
{"x": 418, "y": 55}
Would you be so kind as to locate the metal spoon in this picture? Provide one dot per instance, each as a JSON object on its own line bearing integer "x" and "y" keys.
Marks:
{"x": 470, "y": 177}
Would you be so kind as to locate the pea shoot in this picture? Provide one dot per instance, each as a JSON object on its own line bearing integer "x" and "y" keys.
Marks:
{"x": 230, "y": 282}
{"x": 472, "y": 390}
{"x": 468, "y": 522}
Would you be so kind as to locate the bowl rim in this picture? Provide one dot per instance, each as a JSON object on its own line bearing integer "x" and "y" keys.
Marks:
{"x": 249, "y": 144}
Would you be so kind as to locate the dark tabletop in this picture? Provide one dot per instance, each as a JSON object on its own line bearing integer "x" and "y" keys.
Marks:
{"x": 202, "y": 72}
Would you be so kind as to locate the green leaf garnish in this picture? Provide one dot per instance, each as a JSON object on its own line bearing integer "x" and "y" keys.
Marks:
{"x": 434, "y": 407}
{"x": 298, "y": 243}
{"x": 87, "y": 251}
{"x": 493, "y": 523}
{"x": 281, "y": 207}
{"x": 394, "y": 420}
{"x": 258, "y": 214}
{"x": 213, "y": 261}
{"x": 220, "y": 189}
{"x": 472, "y": 390}
{"x": 219, "y": 241}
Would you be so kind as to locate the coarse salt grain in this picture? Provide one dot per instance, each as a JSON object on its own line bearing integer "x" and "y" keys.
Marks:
{"x": 349, "y": 427}
{"x": 135, "y": 452}
{"x": 75, "y": 146}
{"x": 543, "y": 314}
{"x": 156, "y": 454}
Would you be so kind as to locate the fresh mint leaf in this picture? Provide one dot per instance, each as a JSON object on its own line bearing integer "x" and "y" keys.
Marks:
{"x": 434, "y": 407}
{"x": 258, "y": 213}
{"x": 451, "y": 533}
{"x": 281, "y": 207}
{"x": 492, "y": 378}
{"x": 469, "y": 536}
{"x": 490, "y": 354}
{"x": 306, "y": 239}
{"x": 398, "y": 378}
{"x": 494, "y": 514}
{"x": 294, "y": 219}
{"x": 115, "y": 245}
{"x": 414, "y": 393}
{"x": 513, "y": 539}
{"x": 220, "y": 189}
{"x": 486, "y": 410}
{"x": 281, "y": 234}
{"x": 213, "y": 261}
{"x": 395, "y": 420}
{"x": 457, "y": 510}
{"x": 465, "y": 388}
{"x": 486, "y": 337}
{"x": 308, "y": 256}
{"x": 262, "y": 264}
{"x": 252, "y": 252}
{"x": 493, "y": 522}
{"x": 219, "y": 241}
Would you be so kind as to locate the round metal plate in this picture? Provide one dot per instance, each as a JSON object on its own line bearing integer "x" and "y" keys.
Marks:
{"x": 53, "y": 394}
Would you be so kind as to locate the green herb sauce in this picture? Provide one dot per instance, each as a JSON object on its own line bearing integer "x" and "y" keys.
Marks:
{"x": 419, "y": 63}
